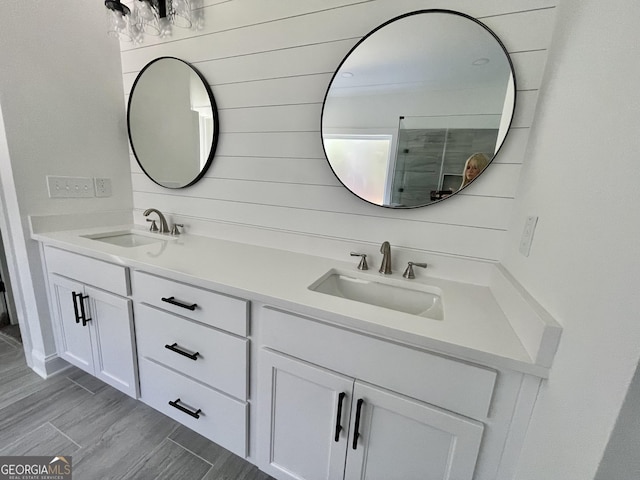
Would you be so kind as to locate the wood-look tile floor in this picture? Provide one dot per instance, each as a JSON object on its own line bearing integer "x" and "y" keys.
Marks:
{"x": 108, "y": 434}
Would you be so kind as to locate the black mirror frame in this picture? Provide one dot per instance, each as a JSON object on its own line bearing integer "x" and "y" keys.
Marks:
{"x": 379, "y": 27}
{"x": 214, "y": 110}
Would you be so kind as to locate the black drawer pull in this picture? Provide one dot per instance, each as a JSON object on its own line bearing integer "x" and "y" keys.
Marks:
{"x": 173, "y": 301}
{"x": 339, "y": 416}
{"x": 356, "y": 433}
{"x": 75, "y": 305}
{"x": 174, "y": 348}
{"x": 176, "y": 404}
{"x": 82, "y": 311}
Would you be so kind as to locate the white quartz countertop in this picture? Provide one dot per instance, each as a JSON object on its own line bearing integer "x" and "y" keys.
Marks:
{"x": 474, "y": 327}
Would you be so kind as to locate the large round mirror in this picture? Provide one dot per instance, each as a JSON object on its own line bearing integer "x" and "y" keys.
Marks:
{"x": 173, "y": 122}
{"x": 418, "y": 108}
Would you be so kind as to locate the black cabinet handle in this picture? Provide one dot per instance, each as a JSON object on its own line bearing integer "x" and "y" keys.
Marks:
{"x": 82, "y": 311}
{"x": 173, "y": 301}
{"x": 356, "y": 433}
{"x": 339, "y": 416}
{"x": 75, "y": 305}
{"x": 177, "y": 405}
{"x": 174, "y": 348}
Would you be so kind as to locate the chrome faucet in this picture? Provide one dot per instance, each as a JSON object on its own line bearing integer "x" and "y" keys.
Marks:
{"x": 385, "y": 266}
{"x": 164, "y": 228}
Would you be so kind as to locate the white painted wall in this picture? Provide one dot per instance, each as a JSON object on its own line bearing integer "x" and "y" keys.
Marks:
{"x": 579, "y": 177}
{"x": 269, "y": 64}
{"x": 63, "y": 114}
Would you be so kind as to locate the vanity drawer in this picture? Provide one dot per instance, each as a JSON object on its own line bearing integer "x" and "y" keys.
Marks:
{"x": 455, "y": 385}
{"x": 222, "y": 419}
{"x": 221, "y": 361}
{"x": 215, "y": 309}
{"x": 107, "y": 276}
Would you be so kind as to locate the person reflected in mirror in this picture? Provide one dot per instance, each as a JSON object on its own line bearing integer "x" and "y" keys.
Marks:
{"x": 474, "y": 165}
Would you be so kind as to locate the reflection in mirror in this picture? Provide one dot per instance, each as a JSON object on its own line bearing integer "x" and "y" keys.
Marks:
{"x": 173, "y": 122}
{"x": 411, "y": 102}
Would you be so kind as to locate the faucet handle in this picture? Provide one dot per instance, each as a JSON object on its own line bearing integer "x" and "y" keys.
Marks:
{"x": 175, "y": 230}
{"x": 363, "y": 260}
{"x": 154, "y": 226}
{"x": 408, "y": 273}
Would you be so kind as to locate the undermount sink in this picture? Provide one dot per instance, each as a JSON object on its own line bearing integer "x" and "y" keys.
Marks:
{"x": 128, "y": 238}
{"x": 399, "y": 295}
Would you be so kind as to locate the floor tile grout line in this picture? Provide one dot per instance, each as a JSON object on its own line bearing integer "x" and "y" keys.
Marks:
{"x": 207, "y": 472}
{"x": 10, "y": 349}
{"x": 79, "y": 385}
{"x": 153, "y": 451}
{"x": 64, "y": 435}
{"x": 11, "y": 356}
{"x": 10, "y": 340}
{"x": 191, "y": 452}
{"x": 3, "y": 449}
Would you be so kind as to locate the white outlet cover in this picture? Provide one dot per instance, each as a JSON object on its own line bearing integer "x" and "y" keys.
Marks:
{"x": 103, "y": 187}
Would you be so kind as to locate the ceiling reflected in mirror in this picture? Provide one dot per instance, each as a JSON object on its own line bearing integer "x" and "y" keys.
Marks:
{"x": 410, "y": 105}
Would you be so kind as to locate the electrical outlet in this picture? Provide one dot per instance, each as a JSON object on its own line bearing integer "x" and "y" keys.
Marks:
{"x": 527, "y": 235}
{"x": 103, "y": 187}
{"x": 70, "y": 187}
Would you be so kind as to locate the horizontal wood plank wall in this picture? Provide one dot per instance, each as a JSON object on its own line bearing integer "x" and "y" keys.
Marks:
{"x": 269, "y": 63}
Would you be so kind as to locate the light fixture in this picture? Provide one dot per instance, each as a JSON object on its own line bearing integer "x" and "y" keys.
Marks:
{"x": 151, "y": 17}
{"x": 148, "y": 18}
{"x": 180, "y": 13}
{"x": 119, "y": 21}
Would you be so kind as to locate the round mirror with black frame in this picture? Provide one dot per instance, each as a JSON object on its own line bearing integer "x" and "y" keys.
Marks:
{"x": 418, "y": 108}
{"x": 172, "y": 121}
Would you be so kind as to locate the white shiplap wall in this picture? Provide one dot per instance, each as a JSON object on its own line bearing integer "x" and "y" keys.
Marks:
{"x": 269, "y": 63}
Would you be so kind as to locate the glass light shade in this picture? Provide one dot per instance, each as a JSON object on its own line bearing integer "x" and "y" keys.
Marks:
{"x": 147, "y": 18}
{"x": 119, "y": 25}
{"x": 180, "y": 13}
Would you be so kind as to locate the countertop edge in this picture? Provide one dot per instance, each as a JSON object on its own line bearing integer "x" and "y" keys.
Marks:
{"x": 435, "y": 345}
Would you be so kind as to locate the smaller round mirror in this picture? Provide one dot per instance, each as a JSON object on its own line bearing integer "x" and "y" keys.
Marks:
{"x": 418, "y": 108}
{"x": 173, "y": 122}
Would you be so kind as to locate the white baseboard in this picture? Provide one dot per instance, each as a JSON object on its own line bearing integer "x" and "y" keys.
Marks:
{"x": 47, "y": 365}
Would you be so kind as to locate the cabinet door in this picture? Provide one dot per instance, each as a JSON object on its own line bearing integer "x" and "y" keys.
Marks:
{"x": 396, "y": 438}
{"x": 301, "y": 407}
{"x": 74, "y": 339}
{"x": 114, "y": 345}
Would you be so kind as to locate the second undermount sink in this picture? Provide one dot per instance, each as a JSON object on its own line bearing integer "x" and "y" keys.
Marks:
{"x": 129, "y": 238}
{"x": 416, "y": 299}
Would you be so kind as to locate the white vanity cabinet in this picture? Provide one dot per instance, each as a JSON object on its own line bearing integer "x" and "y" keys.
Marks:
{"x": 333, "y": 404}
{"x": 193, "y": 357}
{"x": 305, "y": 388}
{"x": 392, "y": 436}
{"x": 318, "y": 424}
{"x": 94, "y": 327}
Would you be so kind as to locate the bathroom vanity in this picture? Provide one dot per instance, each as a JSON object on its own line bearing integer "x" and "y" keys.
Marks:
{"x": 240, "y": 344}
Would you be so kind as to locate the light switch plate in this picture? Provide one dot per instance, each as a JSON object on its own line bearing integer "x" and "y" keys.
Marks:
{"x": 527, "y": 235}
{"x": 70, "y": 187}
